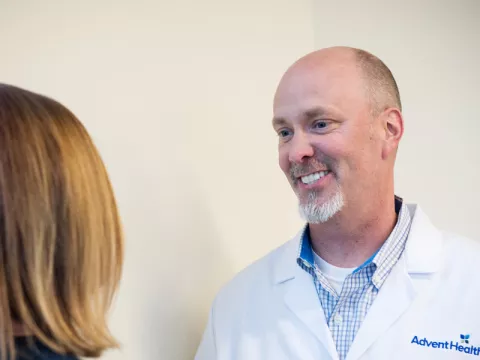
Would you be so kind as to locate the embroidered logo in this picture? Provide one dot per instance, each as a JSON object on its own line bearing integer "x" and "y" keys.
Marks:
{"x": 449, "y": 345}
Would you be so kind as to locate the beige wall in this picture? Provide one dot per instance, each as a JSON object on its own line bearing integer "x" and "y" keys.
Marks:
{"x": 177, "y": 95}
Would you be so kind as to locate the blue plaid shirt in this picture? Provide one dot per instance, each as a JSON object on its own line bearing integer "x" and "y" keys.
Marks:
{"x": 346, "y": 311}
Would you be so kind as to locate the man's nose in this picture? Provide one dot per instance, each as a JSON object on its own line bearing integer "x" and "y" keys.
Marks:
{"x": 300, "y": 149}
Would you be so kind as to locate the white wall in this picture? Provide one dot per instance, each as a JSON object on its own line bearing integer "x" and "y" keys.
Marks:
{"x": 433, "y": 49}
{"x": 177, "y": 95}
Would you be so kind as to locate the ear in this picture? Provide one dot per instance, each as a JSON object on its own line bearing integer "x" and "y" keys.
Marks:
{"x": 392, "y": 121}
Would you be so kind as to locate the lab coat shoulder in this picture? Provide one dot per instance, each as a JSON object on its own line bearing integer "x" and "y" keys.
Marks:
{"x": 240, "y": 303}
{"x": 461, "y": 259}
{"x": 461, "y": 246}
{"x": 432, "y": 250}
{"x": 253, "y": 285}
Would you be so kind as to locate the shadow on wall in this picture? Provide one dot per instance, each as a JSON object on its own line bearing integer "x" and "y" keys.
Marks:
{"x": 177, "y": 263}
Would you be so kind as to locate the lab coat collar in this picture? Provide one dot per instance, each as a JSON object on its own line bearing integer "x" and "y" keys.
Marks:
{"x": 422, "y": 251}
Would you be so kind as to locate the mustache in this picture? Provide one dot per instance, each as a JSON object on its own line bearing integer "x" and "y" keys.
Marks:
{"x": 312, "y": 165}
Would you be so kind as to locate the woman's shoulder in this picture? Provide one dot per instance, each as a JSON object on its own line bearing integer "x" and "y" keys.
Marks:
{"x": 32, "y": 349}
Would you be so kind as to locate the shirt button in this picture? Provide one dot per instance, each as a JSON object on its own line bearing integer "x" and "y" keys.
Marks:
{"x": 337, "y": 319}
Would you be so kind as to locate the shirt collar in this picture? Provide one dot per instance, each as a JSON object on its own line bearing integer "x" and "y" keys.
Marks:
{"x": 393, "y": 248}
{"x": 383, "y": 259}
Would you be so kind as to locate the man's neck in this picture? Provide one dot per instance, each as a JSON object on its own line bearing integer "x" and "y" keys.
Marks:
{"x": 348, "y": 240}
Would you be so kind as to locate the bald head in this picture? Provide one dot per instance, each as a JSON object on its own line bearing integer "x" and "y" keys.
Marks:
{"x": 378, "y": 82}
{"x": 381, "y": 85}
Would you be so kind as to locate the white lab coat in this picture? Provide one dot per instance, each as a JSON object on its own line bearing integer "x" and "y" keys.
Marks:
{"x": 271, "y": 311}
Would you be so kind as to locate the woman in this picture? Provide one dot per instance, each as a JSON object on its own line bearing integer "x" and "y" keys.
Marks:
{"x": 61, "y": 242}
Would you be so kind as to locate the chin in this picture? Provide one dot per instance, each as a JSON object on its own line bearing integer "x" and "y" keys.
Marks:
{"x": 316, "y": 212}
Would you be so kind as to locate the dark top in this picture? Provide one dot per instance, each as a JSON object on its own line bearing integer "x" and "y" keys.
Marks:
{"x": 34, "y": 350}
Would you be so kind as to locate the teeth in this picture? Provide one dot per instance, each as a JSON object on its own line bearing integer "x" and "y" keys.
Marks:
{"x": 310, "y": 179}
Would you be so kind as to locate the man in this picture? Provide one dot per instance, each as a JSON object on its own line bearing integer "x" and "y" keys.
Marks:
{"x": 369, "y": 277}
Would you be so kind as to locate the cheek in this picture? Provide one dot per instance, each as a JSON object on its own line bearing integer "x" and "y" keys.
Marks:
{"x": 361, "y": 162}
{"x": 351, "y": 149}
{"x": 283, "y": 160}
{"x": 334, "y": 150}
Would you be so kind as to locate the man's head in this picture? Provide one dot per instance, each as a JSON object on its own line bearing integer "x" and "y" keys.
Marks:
{"x": 337, "y": 113}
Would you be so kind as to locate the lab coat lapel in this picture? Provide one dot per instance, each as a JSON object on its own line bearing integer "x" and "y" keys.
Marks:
{"x": 300, "y": 296}
{"x": 422, "y": 255}
{"x": 393, "y": 299}
{"x": 302, "y": 299}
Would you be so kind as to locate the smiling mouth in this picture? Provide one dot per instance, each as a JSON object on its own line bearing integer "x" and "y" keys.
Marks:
{"x": 311, "y": 178}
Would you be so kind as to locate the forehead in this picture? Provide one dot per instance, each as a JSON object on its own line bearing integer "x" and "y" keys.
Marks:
{"x": 333, "y": 86}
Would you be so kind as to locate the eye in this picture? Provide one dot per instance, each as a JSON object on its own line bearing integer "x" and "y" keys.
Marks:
{"x": 321, "y": 124}
{"x": 283, "y": 133}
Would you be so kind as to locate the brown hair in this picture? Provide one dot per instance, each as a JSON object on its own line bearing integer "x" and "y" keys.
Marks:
{"x": 61, "y": 242}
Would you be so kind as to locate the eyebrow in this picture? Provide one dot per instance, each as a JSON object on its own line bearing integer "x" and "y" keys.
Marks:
{"x": 315, "y": 112}
{"x": 307, "y": 115}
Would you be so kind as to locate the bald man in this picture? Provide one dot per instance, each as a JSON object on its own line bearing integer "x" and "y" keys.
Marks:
{"x": 369, "y": 276}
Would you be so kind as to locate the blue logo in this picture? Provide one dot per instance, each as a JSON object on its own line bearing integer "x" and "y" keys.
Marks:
{"x": 449, "y": 345}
